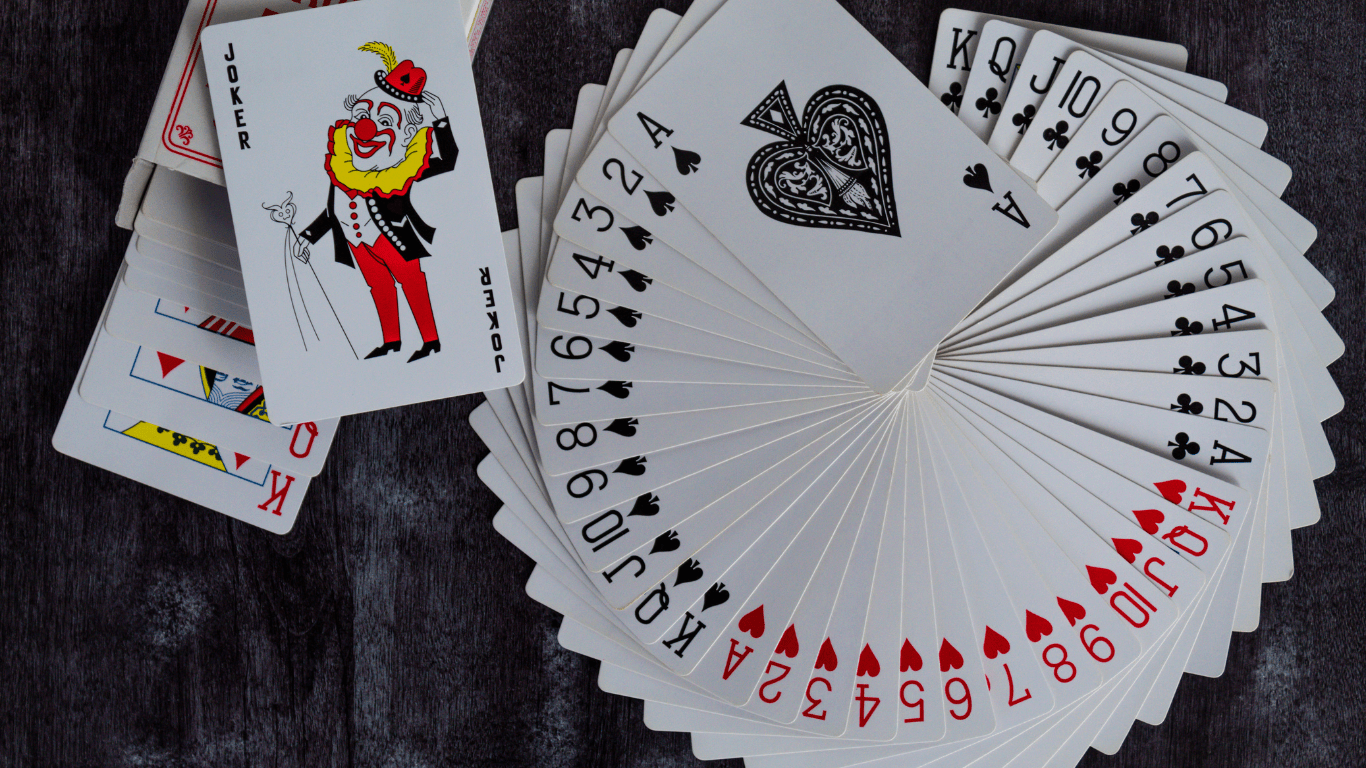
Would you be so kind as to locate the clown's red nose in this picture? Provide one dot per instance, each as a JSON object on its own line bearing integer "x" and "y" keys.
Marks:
{"x": 365, "y": 129}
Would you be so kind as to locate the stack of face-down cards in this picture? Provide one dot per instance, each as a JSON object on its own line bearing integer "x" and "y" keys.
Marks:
{"x": 862, "y": 430}
{"x": 171, "y": 391}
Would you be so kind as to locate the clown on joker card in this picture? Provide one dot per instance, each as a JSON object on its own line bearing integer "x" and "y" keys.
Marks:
{"x": 363, "y": 207}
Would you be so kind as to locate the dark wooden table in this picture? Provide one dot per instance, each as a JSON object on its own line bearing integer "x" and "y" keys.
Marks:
{"x": 390, "y": 628}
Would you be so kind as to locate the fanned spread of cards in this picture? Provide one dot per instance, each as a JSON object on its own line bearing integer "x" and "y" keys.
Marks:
{"x": 871, "y": 424}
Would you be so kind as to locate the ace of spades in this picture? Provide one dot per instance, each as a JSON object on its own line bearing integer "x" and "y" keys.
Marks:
{"x": 833, "y": 170}
{"x": 860, "y": 217}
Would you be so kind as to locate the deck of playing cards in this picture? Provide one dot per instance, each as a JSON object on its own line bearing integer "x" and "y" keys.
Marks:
{"x": 172, "y": 390}
{"x": 870, "y": 423}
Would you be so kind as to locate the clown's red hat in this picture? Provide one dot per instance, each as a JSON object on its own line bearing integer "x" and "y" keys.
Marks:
{"x": 401, "y": 80}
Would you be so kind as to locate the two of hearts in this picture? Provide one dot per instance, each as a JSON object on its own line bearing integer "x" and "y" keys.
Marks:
{"x": 752, "y": 624}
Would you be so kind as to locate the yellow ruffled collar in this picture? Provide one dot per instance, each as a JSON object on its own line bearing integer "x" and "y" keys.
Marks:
{"x": 386, "y": 183}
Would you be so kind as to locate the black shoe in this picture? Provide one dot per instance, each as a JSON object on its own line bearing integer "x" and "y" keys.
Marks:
{"x": 384, "y": 349}
{"x": 429, "y": 347}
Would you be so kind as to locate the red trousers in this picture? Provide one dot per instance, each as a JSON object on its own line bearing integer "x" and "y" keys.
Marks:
{"x": 383, "y": 269}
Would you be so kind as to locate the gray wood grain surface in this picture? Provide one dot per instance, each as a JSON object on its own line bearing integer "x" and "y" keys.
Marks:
{"x": 390, "y": 628}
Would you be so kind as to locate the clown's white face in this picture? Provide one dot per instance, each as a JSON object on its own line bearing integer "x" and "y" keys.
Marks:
{"x": 381, "y": 127}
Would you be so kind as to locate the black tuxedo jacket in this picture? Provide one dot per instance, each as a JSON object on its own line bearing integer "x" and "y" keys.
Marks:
{"x": 394, "y": 215}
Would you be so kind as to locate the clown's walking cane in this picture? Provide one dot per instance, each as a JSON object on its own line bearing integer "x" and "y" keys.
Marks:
{"x": 295, "y": 254}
